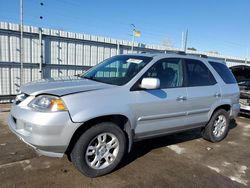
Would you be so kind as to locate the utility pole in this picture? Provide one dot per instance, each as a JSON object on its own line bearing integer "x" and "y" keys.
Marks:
{"x": 133, "y": 38}
{"x": 118, "y": 49}
{"x": 182, "y": 40}
{"x": 185, "y": 42}
{"x": 135, "y": 33}
{"x": 21, "y": 44}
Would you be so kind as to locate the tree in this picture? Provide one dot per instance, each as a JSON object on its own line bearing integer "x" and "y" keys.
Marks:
{"x": 193, "y": 49}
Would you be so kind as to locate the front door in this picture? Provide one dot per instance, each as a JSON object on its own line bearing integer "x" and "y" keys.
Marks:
{"x": 161, "y": 110}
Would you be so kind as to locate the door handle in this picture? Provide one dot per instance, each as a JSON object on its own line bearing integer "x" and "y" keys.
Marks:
{"x": 181, "y": 98}
{"x": 217, "y": 95}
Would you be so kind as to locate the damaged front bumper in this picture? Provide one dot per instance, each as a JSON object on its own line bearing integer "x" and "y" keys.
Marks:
{"x": 245, "y": 102}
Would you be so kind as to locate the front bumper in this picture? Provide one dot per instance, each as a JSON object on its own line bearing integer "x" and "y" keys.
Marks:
{"x": 244, "y": 109}
{"x": 48, "y": 133}
{"x": 245, "y": 102}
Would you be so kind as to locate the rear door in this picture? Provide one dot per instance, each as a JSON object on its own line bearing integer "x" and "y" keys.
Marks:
{"x": 202, "y": 91}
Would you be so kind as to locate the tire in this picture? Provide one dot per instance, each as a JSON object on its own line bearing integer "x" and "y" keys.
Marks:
{"x": 94, "y": 154}
{"x": 213, "y": 134}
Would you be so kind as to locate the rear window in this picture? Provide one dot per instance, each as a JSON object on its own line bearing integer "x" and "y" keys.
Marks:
{"x": 224, "y": 72}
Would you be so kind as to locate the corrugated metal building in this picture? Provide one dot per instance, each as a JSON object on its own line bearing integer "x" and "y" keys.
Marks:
{"x": 61, "y": 53}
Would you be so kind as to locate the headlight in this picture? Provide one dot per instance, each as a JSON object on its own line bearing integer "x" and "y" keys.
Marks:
{"x": 47, "y": 103}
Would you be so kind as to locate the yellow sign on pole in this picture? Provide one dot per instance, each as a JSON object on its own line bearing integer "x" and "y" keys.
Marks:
{"x": 137, "y": 33}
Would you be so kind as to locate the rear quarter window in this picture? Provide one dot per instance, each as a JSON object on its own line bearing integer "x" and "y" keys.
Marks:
{"x": 224, "y": 72}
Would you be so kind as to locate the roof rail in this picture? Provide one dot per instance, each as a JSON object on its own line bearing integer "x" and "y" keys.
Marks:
{"x": 176, "y": 52}
{"x": 199, "y": 55}
{"x": 180, "y": 52}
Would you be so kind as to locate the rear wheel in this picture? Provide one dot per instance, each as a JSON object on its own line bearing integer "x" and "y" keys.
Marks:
{"x": 99, "y": 150}
{"x": 218, "y": 126}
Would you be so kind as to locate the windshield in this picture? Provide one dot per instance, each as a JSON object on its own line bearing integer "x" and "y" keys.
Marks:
{"x": 117, "y": 70}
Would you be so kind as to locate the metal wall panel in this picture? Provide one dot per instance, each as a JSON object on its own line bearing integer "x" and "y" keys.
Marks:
{"x": 5, "y": 76}
{"x": 86, "y": 55}
{"x": 54, "y": 58}
{"x": 27, "y": 50}
{"x": 71, "y": 53}
{"x": 15, "y": 80}
{"x": 35, "y": 50}
{"x": 64, "y": 54}
{"x": 4, "y": 48}
{"x": 14, "y": 49}
{"x": 100, "y": 54}
{"x": 79, "y": 54}
{"x": 54, "y": 72}
{"x": 94, "y": 55}
{"x": 35, "y": 74}
{"x": 63, "y": 48}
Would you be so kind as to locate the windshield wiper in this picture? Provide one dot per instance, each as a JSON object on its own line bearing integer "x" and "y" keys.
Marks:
{"x": 89, "y": 78}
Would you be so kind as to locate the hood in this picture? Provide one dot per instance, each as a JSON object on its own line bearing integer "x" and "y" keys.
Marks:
{"x": 62, "y": 86}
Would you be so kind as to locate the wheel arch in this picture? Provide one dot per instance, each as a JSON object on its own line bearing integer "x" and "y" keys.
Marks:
{"x": 120, "y": 120}
{"x": 207, "y": 131}
{"x": 225, "y": 106}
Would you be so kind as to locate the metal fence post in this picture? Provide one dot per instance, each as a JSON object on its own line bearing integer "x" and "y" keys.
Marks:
{"x": 21, "y": 44}
{"x": 41, "y": 52}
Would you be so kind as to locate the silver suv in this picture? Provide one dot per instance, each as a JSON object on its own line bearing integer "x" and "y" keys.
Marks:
{"x": 95, "y": 117}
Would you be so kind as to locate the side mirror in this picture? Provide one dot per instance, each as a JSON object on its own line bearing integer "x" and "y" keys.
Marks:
{"x": 150, "y": 83}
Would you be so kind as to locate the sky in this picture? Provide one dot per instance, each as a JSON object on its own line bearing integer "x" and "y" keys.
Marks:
{"x": 213, "y": 25}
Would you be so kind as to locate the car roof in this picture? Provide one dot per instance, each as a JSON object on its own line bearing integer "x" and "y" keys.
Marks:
{"x": 177, "y": 55}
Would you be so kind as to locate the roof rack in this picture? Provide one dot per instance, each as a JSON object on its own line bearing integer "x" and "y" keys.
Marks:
{"x": 199, "y": 55}
{"x": 180, "y": 52}
{"x": 177, "y": 52}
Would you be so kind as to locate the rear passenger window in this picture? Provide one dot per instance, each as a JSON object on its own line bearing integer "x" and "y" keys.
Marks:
{"x": 198, "y": 74}
{"x": 224, "y": 72}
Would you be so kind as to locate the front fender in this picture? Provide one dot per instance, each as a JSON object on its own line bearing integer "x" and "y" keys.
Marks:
{"x": 88, "y": 105}
{"x": 91, "y": 113}
{"x": 82, "y": 111}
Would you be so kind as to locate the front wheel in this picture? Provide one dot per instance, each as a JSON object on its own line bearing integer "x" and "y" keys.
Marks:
{"x": 218, "y": 126}
{"x": 99, "y": 150}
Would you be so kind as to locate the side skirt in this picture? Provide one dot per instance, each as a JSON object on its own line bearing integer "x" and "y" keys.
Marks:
{"x": 164, "y": 132}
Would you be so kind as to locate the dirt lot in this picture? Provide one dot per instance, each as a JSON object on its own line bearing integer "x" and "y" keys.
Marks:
{"x": 181, "y": 160}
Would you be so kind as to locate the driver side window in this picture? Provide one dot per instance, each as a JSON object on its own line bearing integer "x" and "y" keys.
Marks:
{"x": 169, "y": 71}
